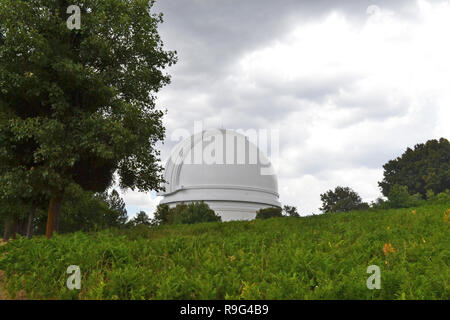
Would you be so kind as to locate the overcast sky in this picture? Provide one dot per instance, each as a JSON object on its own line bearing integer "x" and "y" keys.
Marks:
{"x": 348, "y": 84}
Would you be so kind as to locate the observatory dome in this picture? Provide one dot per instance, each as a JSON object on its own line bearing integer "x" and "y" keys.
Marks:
{"x": 225, "y": 170}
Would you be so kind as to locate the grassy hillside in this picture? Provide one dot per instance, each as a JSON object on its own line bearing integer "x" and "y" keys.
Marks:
{"x": 317, "y": 257}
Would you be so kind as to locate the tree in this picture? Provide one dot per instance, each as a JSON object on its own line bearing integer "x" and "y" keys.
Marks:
{"x": 424, "y": 168}
{"x": 20, "y": 183}
{"x": 266, "y": 213}
{"x": 141, "y": 219}
{"x": 340, "y": 200}
{"x": 88, "y": 211}
{"x": 291, "y": 211}
{"x": 82, "y": 100}
{"x": 399, "y": 197}
{"x": 194, "y": 212}
{"x": 118, "y": 215}
{"x": 161, "y": 215}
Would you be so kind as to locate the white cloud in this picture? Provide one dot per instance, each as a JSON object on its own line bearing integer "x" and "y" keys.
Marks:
{"x": 140, "y": 201}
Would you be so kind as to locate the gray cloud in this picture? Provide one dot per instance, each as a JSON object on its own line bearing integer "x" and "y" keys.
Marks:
{"x": 212, "y": 36}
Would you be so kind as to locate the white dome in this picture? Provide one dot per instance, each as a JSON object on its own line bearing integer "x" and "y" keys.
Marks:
{"x": 224, "y": 169}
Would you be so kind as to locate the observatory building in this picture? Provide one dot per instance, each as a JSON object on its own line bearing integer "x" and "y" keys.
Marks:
{"x": 225, "y": 170}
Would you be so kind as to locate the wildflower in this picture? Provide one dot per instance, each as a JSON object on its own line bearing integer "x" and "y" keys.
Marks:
{"x": 388, "y": 248}
{"x": 413, "y": 212}
{"x": 388, "y": 227}
{"x": 424, "y": 240}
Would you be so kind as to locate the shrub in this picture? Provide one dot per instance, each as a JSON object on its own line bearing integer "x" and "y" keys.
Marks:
{"x": 266, "y": 213}
{"x": 195, "y": 212}
{"x": 399, "y": 197}
{"x": 442, "y": 197}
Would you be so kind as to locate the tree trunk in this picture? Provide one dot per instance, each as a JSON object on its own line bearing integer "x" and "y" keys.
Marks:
{"x": 7, "y": 231}
{"x": 55, "y": 202}
{"x": 21, "y": 227}
{"x": 15, "y": 222}
{"x": 30, "y": 224}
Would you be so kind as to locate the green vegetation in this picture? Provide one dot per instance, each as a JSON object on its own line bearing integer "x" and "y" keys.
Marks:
{"x": 341, "y": 199}
{"x": 290, "y": 211}
{"x": 315, "y": 257}
{"x": 190, "y": 213}
{"x": 399, "y": 197}
{"x": 77, "y": 106}
{"x": 267, "y": 213}
{"x": 422, "y": 169}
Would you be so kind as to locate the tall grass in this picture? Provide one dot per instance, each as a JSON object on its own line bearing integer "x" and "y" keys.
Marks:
{"x": 315, "y": 257}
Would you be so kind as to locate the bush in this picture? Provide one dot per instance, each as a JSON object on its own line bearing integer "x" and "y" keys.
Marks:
{"x": 266, "y": 213}
{"x": 441, "y": 198}
{"x": 399, "y": 197}
{"x": 195, "y": 212}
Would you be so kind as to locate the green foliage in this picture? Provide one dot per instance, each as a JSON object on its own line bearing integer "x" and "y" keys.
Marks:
{"x": 78, "y": 105}
{"x": 194, "y": 212}
{"x": 140, "y": 219}
{"x": 87, "y": 211}
{"x": 342, "y": 199}
{"x": 161, "y": 215}
{"x": 440, "y": 198}
{"x": 399, "y": 197}
{"x": 424, "y": 168}
{"x": 291, "y": 211}
{"x": 267, "y": 213}
{"x": 315, "y": 257}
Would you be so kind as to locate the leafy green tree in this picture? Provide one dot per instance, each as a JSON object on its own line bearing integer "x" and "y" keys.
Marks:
{"x": 161, "y": 215}
{"x": 20, "y": 183}
{"x": 399, "y": 197}
{"x": 82, "y": 100}
{"x": 118, "y": 215}
{"x": 141, "y": 219}
{"x": 266, "y": 213}
{"x": 194, "y": 212}
{"x": 291, "y": 211}
{"x": 379, "y": 203}
{"x": 424, "y": 168}
{"x": 88, "y": 211}
{"x": 341, "y": 199}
